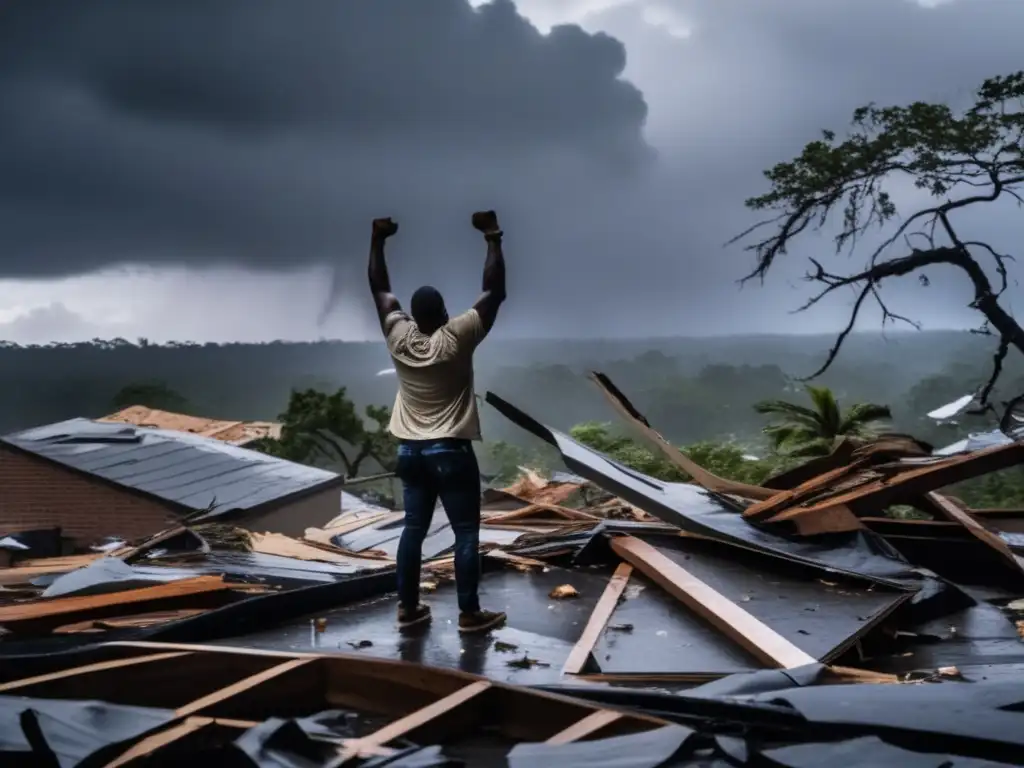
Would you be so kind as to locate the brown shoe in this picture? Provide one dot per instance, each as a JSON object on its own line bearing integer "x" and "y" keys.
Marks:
{"x": 480, "y": 621}
{"x": 410, "y": 617}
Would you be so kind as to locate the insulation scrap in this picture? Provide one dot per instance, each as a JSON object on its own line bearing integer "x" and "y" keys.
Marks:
{"x": 564, "y": 591}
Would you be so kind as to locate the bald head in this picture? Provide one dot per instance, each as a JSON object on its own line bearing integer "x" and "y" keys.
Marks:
{"x": 428, "y": 309}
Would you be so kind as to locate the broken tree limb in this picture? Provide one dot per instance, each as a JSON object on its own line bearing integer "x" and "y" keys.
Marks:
{"x": 759, "y": 640}
{"x": 700, "y": 475}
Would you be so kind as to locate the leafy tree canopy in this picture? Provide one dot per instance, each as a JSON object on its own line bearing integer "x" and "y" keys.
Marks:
{"x": 318, "y": 427}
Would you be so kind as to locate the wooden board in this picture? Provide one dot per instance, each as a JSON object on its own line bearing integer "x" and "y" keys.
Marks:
{"x": 40, "y": 616}
{"x": 976, "y": 529}
{"x": 580, "y": 654}
{"x": 26, "y": 570}
{"x": 878, "y": 491}
{"x": 759, "y": 640}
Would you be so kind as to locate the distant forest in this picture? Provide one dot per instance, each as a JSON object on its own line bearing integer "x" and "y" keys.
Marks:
{"x": 691, "y": 389}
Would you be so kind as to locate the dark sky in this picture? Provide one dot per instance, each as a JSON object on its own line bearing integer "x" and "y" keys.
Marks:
{"x": 173, "y": 165}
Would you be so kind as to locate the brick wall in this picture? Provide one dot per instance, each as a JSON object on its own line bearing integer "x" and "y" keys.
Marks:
{"x": 35, "y": 493}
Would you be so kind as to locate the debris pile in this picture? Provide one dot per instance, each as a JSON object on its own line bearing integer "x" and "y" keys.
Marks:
{"x": 705, "y": 623}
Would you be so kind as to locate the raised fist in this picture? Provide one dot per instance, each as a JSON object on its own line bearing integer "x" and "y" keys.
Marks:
{"x": 485, "y": 221}
{"x": 384, "y": 228}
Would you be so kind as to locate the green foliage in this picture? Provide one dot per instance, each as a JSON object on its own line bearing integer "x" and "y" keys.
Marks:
{"x": 814, "y": 431}
{"x": 996, "y": 490}
{"x": 318, "y": 427}
{"x": 152, "y": 394}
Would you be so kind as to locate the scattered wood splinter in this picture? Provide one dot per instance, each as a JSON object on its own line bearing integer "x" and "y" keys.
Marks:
{"x": 564, "y": 592}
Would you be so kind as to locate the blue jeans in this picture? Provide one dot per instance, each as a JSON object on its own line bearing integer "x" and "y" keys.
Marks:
{"x": 445, "y": 469}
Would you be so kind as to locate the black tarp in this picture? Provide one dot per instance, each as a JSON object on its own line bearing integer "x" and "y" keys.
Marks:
{"x": 649, "y": 749}
{"x": 312, "y": 742}
{"x": 54, "y": 732}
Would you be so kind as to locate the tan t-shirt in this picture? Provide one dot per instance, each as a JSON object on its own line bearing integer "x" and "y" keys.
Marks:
{"x": 435, "y": 377}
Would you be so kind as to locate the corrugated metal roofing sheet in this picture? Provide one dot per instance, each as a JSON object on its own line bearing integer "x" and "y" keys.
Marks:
{"x": 186, "y": 469}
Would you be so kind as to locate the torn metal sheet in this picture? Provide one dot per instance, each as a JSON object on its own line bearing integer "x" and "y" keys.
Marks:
{"x": 109, "y": 574}
{"x": 860, "y": 553}
{"x": 976, "y": 441}
{"x": 383, "y": 537}
{"x": 955, "y": 408}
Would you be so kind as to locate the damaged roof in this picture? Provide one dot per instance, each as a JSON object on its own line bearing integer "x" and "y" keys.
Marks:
{"x": 191, "y": 471}
{"x": 233, "y": 432}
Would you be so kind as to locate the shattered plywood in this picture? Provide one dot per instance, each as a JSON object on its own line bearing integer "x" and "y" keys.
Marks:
{"x": 232, "y": 432}
{"x": 880, "y": 486}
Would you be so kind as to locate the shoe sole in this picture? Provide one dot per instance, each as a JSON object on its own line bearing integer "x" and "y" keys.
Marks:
{"x": 414, "y": 622}
{"x": 497, "y": 622}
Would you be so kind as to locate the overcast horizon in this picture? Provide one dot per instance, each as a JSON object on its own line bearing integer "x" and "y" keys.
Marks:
{"x": 208, "y": 171}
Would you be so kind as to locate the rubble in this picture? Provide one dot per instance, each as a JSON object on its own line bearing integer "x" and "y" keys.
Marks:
{"x": 752, "y": 605}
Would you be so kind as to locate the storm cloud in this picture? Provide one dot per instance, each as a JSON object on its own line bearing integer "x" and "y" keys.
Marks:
{"x": 265, "y": 135}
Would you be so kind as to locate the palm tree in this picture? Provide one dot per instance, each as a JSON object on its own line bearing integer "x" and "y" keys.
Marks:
{"x": 814, "y": 431}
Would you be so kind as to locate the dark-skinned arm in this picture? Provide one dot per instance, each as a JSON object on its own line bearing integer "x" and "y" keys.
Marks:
{"x": 494, "y": 270}
{"x": 380, "y": 282}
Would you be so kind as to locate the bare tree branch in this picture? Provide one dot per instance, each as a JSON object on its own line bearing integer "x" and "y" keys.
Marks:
{"x": 961, "y": 160}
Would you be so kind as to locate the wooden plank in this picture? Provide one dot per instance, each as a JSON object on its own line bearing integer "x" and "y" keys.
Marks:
{"x": 88, "y": 669}
{"x": 876, "y": 492}
{"x": 764, "y": 643}
{"x": 415, "y": 720}
{"x": 590, "y": 724}
{"x": 976, "y": 529}
{"x": 45, "y": 615}
{"x": 26, "y": 570}
{"x": 599, "y": 617}
{"x": 159, "y": 740}
{"x": 241, "y": 686}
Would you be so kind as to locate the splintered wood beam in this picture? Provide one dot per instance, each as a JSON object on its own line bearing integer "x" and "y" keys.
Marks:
{"x": 599, "y": 617}
{"x": 700, "y": 476}
{"x": 88, "y": 669}
{"x": 242, "y": 686}
{"x": 762, "y": 642}
{"x": 590, "y": 724}
{"x": 414, "y": 720}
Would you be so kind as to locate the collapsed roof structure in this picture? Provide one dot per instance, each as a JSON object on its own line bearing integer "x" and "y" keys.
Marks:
{"x": 651, "y": 623}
